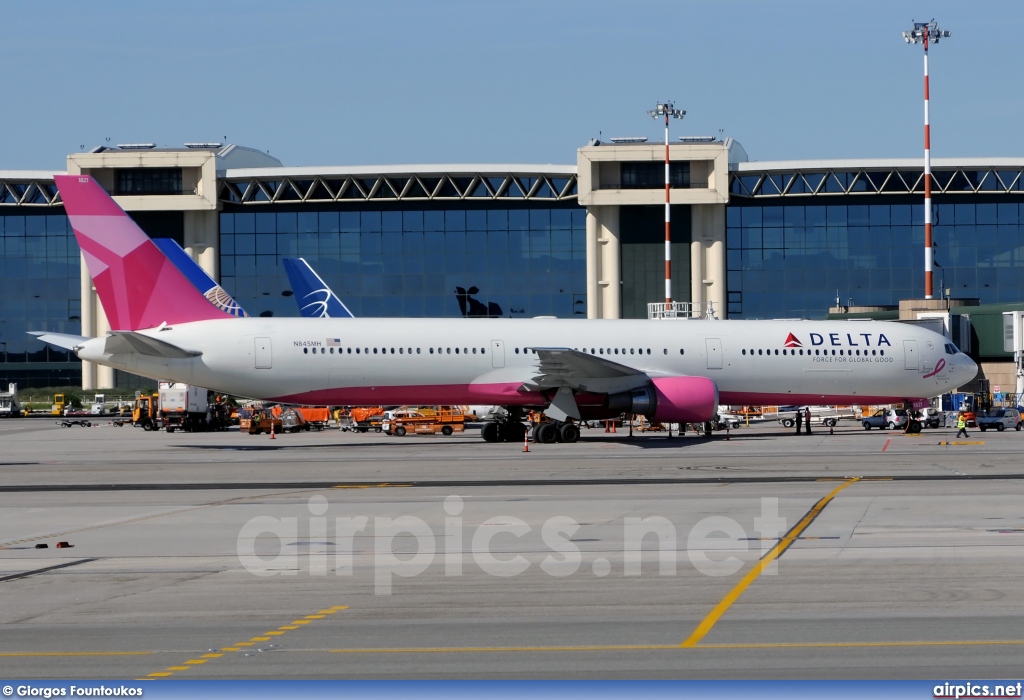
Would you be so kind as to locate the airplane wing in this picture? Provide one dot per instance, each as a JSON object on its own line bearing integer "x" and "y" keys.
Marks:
{"x": 582, "y": 372}
{"x": 676, "y": 399}
{"x": 571, "y": 371}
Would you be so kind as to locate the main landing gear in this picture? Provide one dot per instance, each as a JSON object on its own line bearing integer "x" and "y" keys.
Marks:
{"x": 510, "y": 428}
{"x": 555, "y": 431}
{"x": 505, "y": 430}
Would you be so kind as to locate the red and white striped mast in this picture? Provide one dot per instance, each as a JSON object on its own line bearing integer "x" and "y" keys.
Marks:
{"x": 924, "y": 32}
{"x": 667, "y": 109}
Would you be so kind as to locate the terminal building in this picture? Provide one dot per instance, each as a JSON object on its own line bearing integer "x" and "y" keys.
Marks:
{"x": 750, "y": 239}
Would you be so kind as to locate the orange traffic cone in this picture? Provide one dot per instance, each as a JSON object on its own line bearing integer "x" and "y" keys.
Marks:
{"x": 607, "y": 426}
{"x": 526, "y": 441}
{"x": 614, "y": 430}
{"x": 272, "y": 431}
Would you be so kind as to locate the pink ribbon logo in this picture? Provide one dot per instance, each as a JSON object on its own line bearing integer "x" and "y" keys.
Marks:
{"x": 939, "y": 366}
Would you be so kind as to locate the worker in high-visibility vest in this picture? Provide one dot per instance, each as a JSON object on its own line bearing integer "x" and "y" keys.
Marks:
{"x": 961, "y": 425}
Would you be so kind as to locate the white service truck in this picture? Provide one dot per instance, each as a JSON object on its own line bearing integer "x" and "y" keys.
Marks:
{"x": 183, "y": 406}
{"x": 9, "y": 406}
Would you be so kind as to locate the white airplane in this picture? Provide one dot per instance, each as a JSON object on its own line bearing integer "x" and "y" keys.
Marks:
{"x": 671, "y": 371}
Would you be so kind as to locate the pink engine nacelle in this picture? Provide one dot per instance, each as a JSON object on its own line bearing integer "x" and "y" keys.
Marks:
{"x": 685, "y": 399}
{"x": 669, "y": 400}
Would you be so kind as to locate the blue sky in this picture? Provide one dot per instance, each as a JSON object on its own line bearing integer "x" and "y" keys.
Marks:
{"x": 390, "y": 81}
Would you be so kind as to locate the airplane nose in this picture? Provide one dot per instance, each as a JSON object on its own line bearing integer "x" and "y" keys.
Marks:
{"x": 967, "y": 369}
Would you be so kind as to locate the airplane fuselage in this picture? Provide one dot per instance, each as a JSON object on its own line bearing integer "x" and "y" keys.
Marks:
{"x": 373, "y": 361}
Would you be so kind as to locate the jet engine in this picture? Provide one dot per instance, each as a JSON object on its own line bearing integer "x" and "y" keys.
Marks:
{"x": 670, "y": 400}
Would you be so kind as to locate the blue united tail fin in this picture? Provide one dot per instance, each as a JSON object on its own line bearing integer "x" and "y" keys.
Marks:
{"x": 315, "y": 298}
{"x": 198, "y": 277}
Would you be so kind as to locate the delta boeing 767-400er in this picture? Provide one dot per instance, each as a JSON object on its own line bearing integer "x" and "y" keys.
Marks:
{"x": 673, "y": 371}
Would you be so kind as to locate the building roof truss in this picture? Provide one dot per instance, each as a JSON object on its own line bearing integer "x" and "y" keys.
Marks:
{"x": 411, "y": 187}
{"x": 28, "y": 193}
{"x": 872, "y": 181}
{"x": 1009, "y": 179}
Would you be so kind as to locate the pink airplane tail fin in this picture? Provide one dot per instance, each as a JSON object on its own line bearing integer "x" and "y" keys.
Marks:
{"x": 136, "y": 283}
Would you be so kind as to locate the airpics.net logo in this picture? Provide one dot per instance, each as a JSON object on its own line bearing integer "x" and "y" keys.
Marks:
{"x": 406, "y": 546}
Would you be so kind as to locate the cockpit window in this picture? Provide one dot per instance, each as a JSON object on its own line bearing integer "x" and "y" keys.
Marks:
{"x": 951, "y": 349}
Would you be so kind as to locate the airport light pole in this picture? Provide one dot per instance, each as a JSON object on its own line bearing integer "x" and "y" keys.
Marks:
{"x": 923, "y": 32}
{"x": 667, "y": 109}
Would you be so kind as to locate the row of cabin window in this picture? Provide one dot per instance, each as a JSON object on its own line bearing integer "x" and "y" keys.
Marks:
{"x": 401, "y": 351}
{"x": 816, "y": 352}
{"x": 468, "y": 351}
{"x": 609, "y": 351}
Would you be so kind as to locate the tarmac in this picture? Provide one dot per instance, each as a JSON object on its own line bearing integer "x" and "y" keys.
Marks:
{"x": 858, "y": 554}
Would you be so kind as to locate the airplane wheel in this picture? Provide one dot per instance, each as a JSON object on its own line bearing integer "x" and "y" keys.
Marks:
{"x": 570, "y": 433}
{"x": 447, "y": 430}
{"x": 547, "y": 433}
{"x": 489, "y": 432}
{"x": 400, "y": 431}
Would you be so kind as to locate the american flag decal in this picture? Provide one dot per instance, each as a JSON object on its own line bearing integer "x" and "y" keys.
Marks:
{"x": 333, "y": 342}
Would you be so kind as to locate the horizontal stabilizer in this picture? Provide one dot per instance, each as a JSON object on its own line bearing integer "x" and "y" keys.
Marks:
{"x": 60, "y": 340}
{"x": 130, "y": 343}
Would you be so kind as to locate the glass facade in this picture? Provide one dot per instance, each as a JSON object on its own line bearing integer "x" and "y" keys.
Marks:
{"x": 789, "y": 258}
{"x": 40, "y": 283}
{"x": 135, "y": 181}
{"x": 647, "y": 175}
{"x": 414, "y": 261}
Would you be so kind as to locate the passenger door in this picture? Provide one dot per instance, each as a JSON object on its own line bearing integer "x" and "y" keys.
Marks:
{"x": 714, "y": 346}
{"x": 910, "y": 354}
{"x": 497, "y": 353}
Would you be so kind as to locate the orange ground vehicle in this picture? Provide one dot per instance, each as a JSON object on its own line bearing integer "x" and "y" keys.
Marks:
{"x": 362, "y": 420}
{"x": 263, "y": 421}
{"x": 317, "y": 417}
{"x": 443, "y": 419}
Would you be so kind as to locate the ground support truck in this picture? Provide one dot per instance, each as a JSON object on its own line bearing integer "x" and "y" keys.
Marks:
{"x": 9, "y": 406}
{"x": 178, "y": 406}
{"x": 441, "y": 420}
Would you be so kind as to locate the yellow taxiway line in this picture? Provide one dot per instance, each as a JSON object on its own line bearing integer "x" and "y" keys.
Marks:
{"x": 774, "y": 553}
